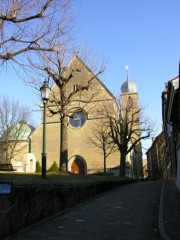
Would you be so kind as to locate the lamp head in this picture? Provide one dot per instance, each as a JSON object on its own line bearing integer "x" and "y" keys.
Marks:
{"x": 45, "y": 90}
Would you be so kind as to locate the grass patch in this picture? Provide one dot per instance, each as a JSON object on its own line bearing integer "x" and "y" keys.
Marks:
{"x": 10, "y": 176}
{"x": 13, "y": 176}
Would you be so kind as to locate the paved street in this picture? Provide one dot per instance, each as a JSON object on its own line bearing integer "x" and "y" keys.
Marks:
{"x": 126, "y": 213}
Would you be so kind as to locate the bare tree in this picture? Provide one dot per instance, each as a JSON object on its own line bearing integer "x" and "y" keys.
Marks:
{"x": 13, "y": 128}
{"x": 28, "y": 27}
{"x": 127, "y": 127}
{"x": 72, "y": 95}
{"x": 101, "y": 139}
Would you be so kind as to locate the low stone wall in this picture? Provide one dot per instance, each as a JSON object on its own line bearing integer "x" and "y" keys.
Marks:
{"x": 32, "y": 202}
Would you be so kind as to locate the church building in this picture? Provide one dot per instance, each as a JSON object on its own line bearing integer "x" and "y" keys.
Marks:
{"x": 82, "y": 115}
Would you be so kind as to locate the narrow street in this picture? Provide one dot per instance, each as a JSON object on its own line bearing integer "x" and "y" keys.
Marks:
{"x": 126, "y": 213}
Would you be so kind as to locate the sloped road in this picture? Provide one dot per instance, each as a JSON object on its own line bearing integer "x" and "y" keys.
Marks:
{"x": 125, "y": 213}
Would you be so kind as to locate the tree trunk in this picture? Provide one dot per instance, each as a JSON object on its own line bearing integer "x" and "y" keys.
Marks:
{"x": 63, "y": 144}
{"x": 122, "y": 165}
{"x": 104, "y": 164}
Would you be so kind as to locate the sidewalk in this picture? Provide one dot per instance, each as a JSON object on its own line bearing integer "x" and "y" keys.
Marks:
{"x": 169, "y": 214}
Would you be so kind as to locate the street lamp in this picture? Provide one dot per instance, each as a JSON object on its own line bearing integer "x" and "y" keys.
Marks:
{"x": 45, "y": 96}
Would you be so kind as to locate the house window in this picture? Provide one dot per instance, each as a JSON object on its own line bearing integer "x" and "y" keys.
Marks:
{"x": 77, "y": 120}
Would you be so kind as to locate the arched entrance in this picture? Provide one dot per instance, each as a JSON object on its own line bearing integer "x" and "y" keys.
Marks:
{"x": 77, "y": 165}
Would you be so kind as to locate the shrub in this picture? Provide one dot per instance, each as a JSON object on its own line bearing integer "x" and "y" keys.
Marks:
{"x": 54, "y": 168}
{"x": 38, "y": 167}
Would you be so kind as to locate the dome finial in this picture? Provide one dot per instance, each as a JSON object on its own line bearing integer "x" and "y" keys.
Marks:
{"x": 128, "y": 86}
{"x": 127, "y": 71}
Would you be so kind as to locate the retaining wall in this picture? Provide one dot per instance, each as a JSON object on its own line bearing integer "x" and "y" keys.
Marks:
{"x": 32, "y": 202}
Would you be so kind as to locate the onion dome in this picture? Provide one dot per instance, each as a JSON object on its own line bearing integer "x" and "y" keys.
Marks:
{"x": 128, "y": 87}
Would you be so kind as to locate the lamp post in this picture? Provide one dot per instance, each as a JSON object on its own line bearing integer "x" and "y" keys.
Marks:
{"x": 45, "y": 96}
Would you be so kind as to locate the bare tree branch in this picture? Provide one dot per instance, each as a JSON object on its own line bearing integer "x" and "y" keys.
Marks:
{"x": 71, "y": 93}
{"x": 13, "y": 128}
{"x": 14, "y": 19}
{"x": 101, "y": 140}
{"x": 127, "y": 128}
{"x": 30, "y": 26}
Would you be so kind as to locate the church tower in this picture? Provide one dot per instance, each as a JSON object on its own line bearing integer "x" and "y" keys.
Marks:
{"x": 129, "y": 92}
{"x": 129, "y": 98}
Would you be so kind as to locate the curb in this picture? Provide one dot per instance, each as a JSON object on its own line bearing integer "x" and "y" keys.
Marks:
{"x": 161, "y": 228}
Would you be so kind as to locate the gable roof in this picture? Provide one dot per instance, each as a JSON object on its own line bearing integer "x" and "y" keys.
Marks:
{"x": 76, "y": 58}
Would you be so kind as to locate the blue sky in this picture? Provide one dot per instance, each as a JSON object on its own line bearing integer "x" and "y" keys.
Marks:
{"x": 143, "y": 34}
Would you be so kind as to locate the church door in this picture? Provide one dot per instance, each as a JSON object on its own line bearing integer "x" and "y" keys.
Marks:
{"x": 78, "y": 167}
